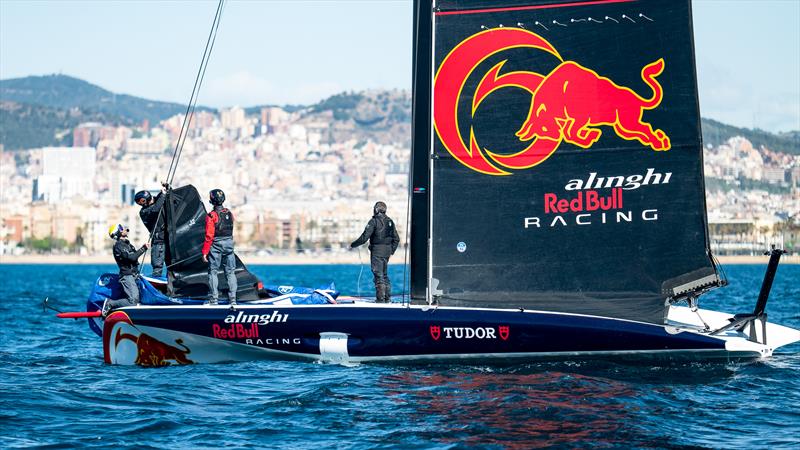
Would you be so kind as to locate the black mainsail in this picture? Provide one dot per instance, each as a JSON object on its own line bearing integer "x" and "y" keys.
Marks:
{"x": 566, "y": 169}
{"x": 187, "y": 274}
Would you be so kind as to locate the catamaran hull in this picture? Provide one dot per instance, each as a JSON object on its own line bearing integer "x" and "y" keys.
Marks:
{"x": 155, "y": 336}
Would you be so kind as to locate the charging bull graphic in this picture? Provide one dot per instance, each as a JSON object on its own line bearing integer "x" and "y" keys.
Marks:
{"x": 153, "y": 353}
{"x": 150, "y": 352}
{"x": 569, "y": 104}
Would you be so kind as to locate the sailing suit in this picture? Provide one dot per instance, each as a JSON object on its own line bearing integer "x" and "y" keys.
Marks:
{"x": 383, "y": 242}
{"x": 153, "y": 219}
{"x": 218, "y": 248}
{"x": 127, "y": 258}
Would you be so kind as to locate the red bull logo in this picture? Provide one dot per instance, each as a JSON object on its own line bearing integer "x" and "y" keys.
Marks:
{"x": 150, "y": 351}
{"x": 572, "y": 103}
{"x": 153, "y": 353}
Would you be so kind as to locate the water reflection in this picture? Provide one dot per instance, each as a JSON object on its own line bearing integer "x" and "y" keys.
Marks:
{"x": 540, "y": 405}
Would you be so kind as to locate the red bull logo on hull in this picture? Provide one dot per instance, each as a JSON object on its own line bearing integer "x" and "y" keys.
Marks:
{"x": 149, "y": 351}
{"x": 571, "y": 104}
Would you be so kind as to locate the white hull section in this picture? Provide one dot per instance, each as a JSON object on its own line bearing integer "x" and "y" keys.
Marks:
{"x": 735, "y": 342}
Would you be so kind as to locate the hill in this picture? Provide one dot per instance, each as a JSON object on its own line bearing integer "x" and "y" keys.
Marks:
{"x": 64, "y": 92}
{"x": 716, "y": 133}
{"x": 24, "y": 126}
{"x": 379, "y": 115}
{"x": 42, "y": 110}
{"x": 382, "y": 116}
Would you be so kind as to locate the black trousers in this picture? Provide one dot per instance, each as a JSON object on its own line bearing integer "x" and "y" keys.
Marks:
{"x": 131, "y": 290}
{"x": 157, "y": 258}
{"x": 380, "y": 270}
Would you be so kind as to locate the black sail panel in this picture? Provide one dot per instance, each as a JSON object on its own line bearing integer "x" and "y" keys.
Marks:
{"x": 567, "y": 157}
{"x": 187, "y": 274}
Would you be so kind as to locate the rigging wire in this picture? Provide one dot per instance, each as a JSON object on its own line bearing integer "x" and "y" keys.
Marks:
{"x": 723, "y": 277}
{"x": 360, "y": 270}
{"x": 190, "y": 109}
{"x": 198, "y": 82}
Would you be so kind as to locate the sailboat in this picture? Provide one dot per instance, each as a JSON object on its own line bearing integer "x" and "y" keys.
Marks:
{"x": 557, "y": 211}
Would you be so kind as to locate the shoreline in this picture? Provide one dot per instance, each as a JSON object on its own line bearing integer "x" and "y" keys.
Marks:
{"x": 315, "y": 259}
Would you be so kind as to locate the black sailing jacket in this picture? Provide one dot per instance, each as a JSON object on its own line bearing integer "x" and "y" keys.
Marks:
{"x": 150, "y": 215}
{"x": 127, "y": 257}
{"x": 382, "y": 235}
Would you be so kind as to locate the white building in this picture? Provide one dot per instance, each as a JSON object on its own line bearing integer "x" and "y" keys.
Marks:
{"x": 233, "y": 118}
{"x": 66, "y": 172}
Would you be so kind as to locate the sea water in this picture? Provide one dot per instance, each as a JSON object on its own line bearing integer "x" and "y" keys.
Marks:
{"x": 56, "y": 392}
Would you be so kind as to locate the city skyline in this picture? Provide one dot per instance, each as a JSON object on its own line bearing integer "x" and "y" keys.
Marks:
{"x": 321, "y": 181}
{"x": 739, "y": 82}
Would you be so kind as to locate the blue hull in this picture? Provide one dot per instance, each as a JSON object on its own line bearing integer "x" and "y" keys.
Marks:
{"x": 391, "y": 332}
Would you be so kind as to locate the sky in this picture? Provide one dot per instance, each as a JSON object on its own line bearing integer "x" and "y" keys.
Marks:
{"x": 300, "y": 51}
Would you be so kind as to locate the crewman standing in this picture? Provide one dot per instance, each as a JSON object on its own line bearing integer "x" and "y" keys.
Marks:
{"x": 383, "y": 242}
{"x": 127, "y": 258}
{"x": 153, "y": 219}
{"x": 218, "y": 248}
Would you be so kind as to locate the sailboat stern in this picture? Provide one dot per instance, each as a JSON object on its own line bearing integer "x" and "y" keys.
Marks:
{"x": 756, "y": 338}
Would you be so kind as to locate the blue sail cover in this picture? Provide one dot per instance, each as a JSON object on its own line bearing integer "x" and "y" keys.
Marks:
{"x": 107, "y": 287}
{"x": 299, "y": 295}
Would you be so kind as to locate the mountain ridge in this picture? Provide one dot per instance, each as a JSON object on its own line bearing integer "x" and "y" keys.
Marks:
{"x": 59, "y": 91}
{"x": 42, "y": 110}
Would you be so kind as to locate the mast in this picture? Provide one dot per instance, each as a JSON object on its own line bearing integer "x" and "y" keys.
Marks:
{"x": 420, "y": 149}
{"x": 567, "y": 157}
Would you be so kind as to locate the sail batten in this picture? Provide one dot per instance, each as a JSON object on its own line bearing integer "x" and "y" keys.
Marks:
{"x": 566, "y": 163}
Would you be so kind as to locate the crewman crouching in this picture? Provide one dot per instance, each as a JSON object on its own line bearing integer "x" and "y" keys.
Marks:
{"x": 127, "y": 258}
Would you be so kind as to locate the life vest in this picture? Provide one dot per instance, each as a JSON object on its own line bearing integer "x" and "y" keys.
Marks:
{"x": 384, "y": 230}
{"x": 224, "y": 226}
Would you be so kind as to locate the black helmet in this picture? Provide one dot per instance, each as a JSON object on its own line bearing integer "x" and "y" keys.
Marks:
{"x": 216, "y": 197}
{"x": 142, "y": 195}
{"x": 379, "y": 207}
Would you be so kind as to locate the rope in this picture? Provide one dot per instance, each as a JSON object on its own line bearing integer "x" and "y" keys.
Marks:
{"x": 360, "y": 270}
{"x": 190, "y": 109}
{"x": 198, "y": 82}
